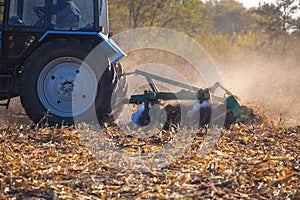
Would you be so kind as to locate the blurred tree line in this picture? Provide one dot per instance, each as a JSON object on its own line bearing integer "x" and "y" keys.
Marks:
{"x": 1, "y": 10}
{"x": 224, "y": 27}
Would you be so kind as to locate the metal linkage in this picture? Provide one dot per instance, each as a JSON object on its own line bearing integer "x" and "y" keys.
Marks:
{"x": 191, "y": 93}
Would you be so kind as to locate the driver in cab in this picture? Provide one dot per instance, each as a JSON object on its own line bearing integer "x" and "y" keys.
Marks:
{"x": 67, "y": 14}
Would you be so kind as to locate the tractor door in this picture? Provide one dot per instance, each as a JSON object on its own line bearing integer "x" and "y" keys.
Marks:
{"x": 23, "y": 26}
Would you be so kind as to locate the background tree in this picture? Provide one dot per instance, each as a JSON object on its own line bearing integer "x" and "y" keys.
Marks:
{"x": 279, "y": 22}
{"x": 224, "y": 27}
{"x": 182, "y": 15}
{"x": 132, "y": 14}
{"x": 229, "y": 16}
{"x": 1, "y": 10}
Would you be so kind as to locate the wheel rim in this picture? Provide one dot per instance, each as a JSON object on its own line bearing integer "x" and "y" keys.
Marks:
{"x": 67, "y": 87}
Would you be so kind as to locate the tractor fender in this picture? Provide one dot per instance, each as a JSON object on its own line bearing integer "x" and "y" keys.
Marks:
{"x": 107, "y": 45}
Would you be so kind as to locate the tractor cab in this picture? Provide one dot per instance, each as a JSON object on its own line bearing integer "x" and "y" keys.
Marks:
{"x": 25, "y": 22}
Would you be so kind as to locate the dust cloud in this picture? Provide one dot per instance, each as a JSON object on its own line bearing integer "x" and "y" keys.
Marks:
{"x": 270, "y": 85}
{"x": 273, "y": 85}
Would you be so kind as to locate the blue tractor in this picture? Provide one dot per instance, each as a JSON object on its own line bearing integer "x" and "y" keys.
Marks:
{"x": 44, "y": 45}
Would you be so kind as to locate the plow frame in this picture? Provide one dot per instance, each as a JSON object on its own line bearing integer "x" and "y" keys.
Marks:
{"x": 189, "y": 92}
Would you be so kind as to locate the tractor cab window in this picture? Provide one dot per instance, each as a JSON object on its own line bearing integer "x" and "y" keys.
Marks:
{"x": 103, "y": 16}
{"x": 72, "y": 14}
{"x": 26, "y": 13}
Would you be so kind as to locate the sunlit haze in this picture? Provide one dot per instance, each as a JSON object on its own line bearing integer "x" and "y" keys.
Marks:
{"x": 255, "y": 3}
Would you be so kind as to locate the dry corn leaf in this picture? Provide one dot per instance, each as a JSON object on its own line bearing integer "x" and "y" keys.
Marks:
{"x": 248, "y": 161}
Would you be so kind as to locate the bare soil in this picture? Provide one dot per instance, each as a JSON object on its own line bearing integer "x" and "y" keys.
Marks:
{"x": 14, "y": 115}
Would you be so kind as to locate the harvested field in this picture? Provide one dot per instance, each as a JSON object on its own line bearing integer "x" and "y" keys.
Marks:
{"x": 248, "y": 162}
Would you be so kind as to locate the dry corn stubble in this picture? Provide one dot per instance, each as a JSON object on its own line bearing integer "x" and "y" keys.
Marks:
{"x": 248, "y": 161}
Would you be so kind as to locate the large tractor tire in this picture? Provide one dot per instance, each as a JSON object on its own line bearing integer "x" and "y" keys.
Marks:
{"x": 120, "y": 91}
{"x": 62, "y": 88}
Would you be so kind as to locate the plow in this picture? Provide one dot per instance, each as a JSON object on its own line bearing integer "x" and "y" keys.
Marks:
{"x": 204, "y": 98}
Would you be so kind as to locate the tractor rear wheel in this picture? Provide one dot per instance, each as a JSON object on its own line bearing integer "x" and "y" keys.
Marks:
{"x": 62, "y": 88}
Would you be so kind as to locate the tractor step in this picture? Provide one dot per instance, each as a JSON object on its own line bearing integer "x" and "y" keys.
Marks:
{"x": 4, "y": 91}
{"x": 7, "y": 91}
{"x": 5, "y": 76}
{"x": 4, "y": 104}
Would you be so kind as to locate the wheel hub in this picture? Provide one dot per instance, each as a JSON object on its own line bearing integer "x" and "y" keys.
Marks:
{"x": 67, "y": 87}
